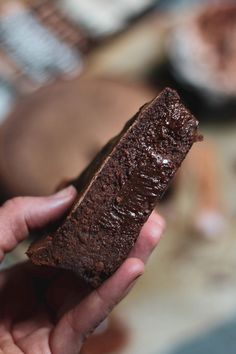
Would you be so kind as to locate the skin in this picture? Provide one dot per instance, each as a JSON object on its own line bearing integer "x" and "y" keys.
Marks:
{"x": 47, "y": 311}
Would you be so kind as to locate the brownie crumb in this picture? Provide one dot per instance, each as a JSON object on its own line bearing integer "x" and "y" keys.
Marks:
{"x": 118, "y": 191}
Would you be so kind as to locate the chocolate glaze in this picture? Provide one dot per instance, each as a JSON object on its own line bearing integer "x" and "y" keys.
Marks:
{"x": 118, "y": 191}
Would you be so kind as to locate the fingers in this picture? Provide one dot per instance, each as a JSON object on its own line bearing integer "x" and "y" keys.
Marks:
{"x": 79, "y": 322}
{"x": 20, "y": 215}
{"x": 155, "y": 217}
{"x": 149, "y": 237}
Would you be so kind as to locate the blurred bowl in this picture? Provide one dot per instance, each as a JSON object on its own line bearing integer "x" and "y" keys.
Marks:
{"x": 202, "y": 50}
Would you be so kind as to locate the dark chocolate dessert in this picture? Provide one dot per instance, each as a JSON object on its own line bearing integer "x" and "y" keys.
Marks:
{"x": 202, "y": 50}
{"x": 118, "y": 191}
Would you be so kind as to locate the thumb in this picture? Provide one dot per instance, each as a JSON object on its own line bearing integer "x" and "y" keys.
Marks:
{"x": 20, "y": 215}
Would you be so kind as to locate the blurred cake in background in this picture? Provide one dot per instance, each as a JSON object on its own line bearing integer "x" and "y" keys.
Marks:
{"x": 54, "y": 133}
{"x": 202, "y": 50}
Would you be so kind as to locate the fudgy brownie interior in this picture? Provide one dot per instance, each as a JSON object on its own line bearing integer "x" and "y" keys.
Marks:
{"x": 118, "y": 191}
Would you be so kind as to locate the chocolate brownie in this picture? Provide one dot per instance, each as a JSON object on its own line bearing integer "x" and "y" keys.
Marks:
{"x": 118, "y": 191}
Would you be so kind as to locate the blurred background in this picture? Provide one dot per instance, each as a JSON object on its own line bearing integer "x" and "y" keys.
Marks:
{"x": 71, "y": 73}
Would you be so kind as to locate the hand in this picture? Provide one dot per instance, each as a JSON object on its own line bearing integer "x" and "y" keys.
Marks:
{"x": 49, "y": 311}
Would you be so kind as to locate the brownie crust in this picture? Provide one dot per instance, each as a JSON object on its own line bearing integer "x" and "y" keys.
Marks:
{"x": 119, "y": 190}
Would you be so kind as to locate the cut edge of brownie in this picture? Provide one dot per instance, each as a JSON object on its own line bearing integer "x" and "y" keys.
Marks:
{"x": 118, "y": 191}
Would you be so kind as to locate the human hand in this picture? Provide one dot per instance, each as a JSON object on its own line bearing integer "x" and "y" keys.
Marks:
{"x": 49, "y": 311}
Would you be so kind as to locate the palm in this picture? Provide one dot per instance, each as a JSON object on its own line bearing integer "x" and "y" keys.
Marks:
{"x": 32, "y": 300}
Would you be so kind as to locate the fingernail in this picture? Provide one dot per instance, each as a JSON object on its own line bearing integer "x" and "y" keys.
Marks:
{"x": 65, "y": 193}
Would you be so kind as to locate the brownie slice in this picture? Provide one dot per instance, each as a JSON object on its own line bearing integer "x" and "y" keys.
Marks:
{"x": 118, "y": 191}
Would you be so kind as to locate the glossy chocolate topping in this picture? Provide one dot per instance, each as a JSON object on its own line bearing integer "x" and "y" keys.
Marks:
{"x": 118, "y": 191}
